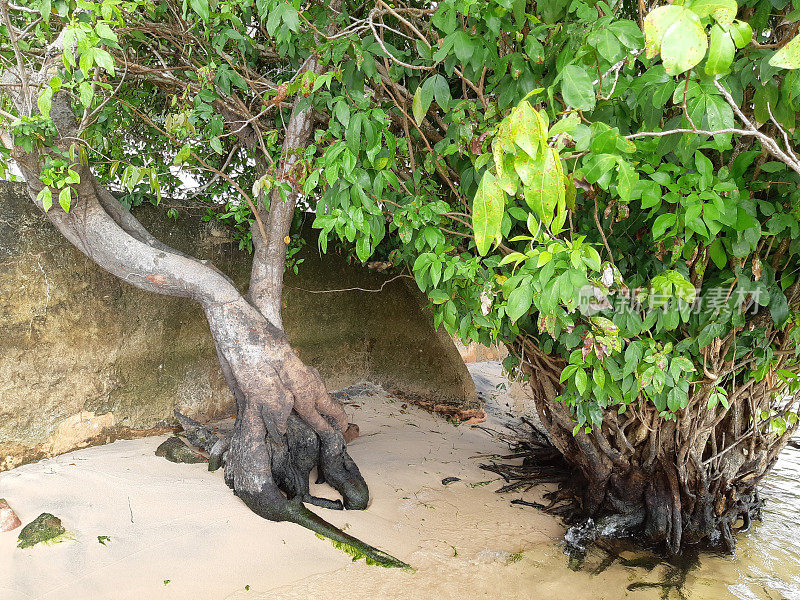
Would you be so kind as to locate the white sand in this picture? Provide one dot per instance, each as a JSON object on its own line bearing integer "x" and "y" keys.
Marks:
{"x": 181, "y": 523}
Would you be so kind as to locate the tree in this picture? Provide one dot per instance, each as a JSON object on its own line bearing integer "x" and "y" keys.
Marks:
{"x": 571, "y": 178}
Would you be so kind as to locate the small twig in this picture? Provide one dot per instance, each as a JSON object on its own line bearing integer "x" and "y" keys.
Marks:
{"x": 786, "y": 141}
{"x": 352, "y": 289}
{"x": 602, "y": 233}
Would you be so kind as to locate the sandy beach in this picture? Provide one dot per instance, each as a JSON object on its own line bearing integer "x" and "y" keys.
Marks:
{"x": 176, "y": 531}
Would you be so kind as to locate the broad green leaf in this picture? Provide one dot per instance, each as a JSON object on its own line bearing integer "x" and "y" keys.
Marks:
{"x": 86, "y": 93}
{"x": 741, "y": 33}
{"x": 438, "y": 296}
{"x": 577, "y": 88}
{"x": 342, "y": 112}
{"x": 723, "y": 11}
{"x": 596, "y": 166}
{"x": 421, "y": 103}
{"x": 656, "y": 24}
{"x": 684, "y": 44}
{"x": 103, "y": 59}
{"x": 627, "y": 177}
{"x": 662, "y": 223}
{"x": 105, "y": 32}
{"x": 201, "y": 8}
{"x": 565, "y": 125}
{"x": 606, "y": 44}
{"x": 524, "y": 128}
{"x": 580, "y": 381}
{"x": 45, "y": 196}
{"x": 65, "y": 198}
{"x": 717, "y": 254}
{"x": 546, "y": 189}
{"x": 487, "y": 212}
{"x": 519, "y": 301}
{"x": 788, "y": 57}
{"x": 677, "y": 33}
{"x": 45, "y": 101}
{"x": 720, "y": 52}
{"x": 525, "y": 167}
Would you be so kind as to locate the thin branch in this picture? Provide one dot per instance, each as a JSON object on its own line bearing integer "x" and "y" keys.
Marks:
{"x": 23, "y": 72}
{"x": 352, "y": 289}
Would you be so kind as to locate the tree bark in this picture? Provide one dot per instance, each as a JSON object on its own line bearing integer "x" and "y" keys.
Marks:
{"x": 286, "y": 422}
{"x": 269, "y": 259}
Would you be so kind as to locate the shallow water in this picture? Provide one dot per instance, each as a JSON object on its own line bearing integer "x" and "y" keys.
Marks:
{"x": 766, "y": 565}
{"x": 767, "y": 561}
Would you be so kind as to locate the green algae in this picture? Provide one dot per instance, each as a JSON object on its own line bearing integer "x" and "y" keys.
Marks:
{"x": 357, "y": 555}
{"x": 44, "y": 529}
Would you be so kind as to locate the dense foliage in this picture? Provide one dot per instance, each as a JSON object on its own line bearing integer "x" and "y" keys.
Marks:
{"x": 612, "y": 185}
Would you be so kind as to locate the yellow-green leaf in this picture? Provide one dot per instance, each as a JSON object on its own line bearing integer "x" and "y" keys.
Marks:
{"x": 684, "y": 44}
{"x": 787, "y": 57}
{"x": 487, "y": 212}
{"x": 524, "y": 128}
{"x": 546, "y": 191}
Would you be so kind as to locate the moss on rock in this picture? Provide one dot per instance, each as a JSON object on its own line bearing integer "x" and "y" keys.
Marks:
{"x": 44, "y": 528}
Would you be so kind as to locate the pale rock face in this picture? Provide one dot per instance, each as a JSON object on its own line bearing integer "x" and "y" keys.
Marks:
{"x": 8, "y": 518}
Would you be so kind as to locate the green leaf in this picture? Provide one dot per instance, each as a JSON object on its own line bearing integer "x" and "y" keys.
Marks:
{"x": 721, "y": 50}
{"x": 419, "y": 108}
{"x": 684, "y": 44}
{"x": 342, "y": 112}
{"x": 723, "y": 11}
{"x": 201, "y": 8}
{"x": 718, "y": 255}
{"x": 525, "y": 129}
{"x": 656, "y": 24}
{"x": 438, "y": 296}
{"x": 577, "y": 88}
{"x": 627, "y": 178}
{"x": 45, "y": 101}
{"x": 104, "y": 31}
{"x": 662, "y": 223}
{"x": 85, "y": 93}
{"x": 65, "y": 198}
{"x": 595, "y": 166}
{"x": 519, "y": 301}
{"x": 103, "y": 59}
{"x": 463, "y": 46}
{"x": 546, "y": 190}
{"x": 487, "y": 213}
{"x": 787, "y": 57}
{"x": 741, "y": 33}
{"x": 440, "y": 90}
{"x": 580, "y": 381}
{"x": 45, "y": 196}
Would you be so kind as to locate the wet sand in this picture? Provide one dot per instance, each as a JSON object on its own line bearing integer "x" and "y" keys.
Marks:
{"x": 177, "y": 532}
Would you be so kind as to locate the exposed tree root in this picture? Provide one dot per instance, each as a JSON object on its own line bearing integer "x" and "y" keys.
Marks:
{"x": 292, "y": 459}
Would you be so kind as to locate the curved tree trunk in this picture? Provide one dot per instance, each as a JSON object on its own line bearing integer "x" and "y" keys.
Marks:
{"x": 673, "y": 483}
{"x": 286, "y": 421}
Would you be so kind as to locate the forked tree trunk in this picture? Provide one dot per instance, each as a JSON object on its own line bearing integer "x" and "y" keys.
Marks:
{"x": 286, "y": 422}
{"x": 673, "y": 483}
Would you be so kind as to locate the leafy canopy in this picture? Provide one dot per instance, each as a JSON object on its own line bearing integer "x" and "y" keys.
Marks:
{"x": 515, "y": 157}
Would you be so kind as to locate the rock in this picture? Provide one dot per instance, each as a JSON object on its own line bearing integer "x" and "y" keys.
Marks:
{"x": 174, "y": 449}
{"x": 43, "y": 528}
{"x": 8, "y": 518}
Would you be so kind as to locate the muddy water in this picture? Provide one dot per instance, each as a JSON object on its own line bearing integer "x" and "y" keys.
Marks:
{"x": 767, "y": 561}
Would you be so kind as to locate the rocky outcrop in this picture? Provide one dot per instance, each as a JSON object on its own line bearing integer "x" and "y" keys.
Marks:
{"x": 86, "y": 358}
